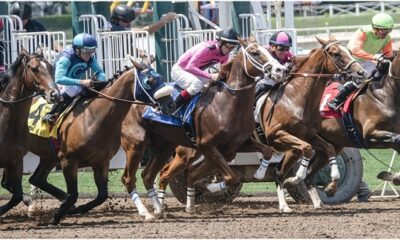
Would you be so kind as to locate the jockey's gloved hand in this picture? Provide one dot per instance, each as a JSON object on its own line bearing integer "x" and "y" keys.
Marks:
{"x": 378, "y": 57}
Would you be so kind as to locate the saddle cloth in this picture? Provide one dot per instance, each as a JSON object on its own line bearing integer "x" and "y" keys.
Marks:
{"x": 329, "y": 94}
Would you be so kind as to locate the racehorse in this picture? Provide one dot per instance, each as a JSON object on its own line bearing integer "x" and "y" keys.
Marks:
{"x": 290, "y": 116}
{"x": 223, "y": 120}
{"x": 29, "y": 75}
{"x": 89, "y": 136}
{"x": 376, "y": 116}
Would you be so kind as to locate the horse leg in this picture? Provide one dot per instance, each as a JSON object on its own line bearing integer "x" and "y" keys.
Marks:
{"x": 162, "y": 151}
{"x": 283, "y": 206}
{"x": 134, "y": 150}
{"x": 298, "y": 148}
{"x": 320, "y": 144}
{"x": 183, "y": 158}
{"x": 101, "y": 180}
{"x": 39, "y": 180}
{"x": 214, "y": 157}
{"x": 195, "y": 173}
{"x": 70, "y": 171}
{"x": 13, "y": 183}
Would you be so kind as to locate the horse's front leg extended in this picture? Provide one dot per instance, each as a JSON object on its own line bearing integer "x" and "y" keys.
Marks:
{"x": 320, "y": 144}
{"x": 382, "y": 138}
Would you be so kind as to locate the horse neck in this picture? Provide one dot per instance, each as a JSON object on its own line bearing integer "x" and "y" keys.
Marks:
{"x": 311, "y": 87}
{"x": 238, "y": 77}
{"x": 389, "y": 92}
{"x": 111, "y": 113}
{"x": 14, "y": 116}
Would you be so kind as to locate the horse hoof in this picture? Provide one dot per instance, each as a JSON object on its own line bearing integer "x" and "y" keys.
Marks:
{"x": 330, "y": 190}
{"x": 291, "y": 182}
{"x": 396, "y": 179}
{"x": 385, "y": 176}
{"x": 149, "y": 218}
{"x": 33, "y": 211}
{"x": 285, "y": 210}
{"x": 27, "y": 200}
{"x": 190, "y": 210}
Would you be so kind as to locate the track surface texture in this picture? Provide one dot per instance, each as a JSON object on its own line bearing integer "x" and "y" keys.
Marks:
{"x": 246, "y": 217}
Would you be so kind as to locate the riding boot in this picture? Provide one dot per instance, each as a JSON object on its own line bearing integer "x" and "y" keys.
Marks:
{"x": 261, "y": 88}
{"x": 58, "y": 108}
{"x": 182, "y": 99}
{"x": 342, "y": 95}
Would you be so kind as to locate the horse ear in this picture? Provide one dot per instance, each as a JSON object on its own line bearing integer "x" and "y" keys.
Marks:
{"x": 242, "y": 41}
{"x": 252, "y": 39}
{"x": 23, "y": 52}
{"x": 39, "y": 51}
{"x": 321, "y": 41}
{"x": 332, "y": 37}
{"x": 137, "y": 65}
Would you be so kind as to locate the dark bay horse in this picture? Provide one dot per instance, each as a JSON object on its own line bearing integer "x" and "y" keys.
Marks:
{"x": 89, "y": 136}
{"x": 29, "y": 75}
{"x": 376, "y": 114}
{"x": 223, "y": 122}
{"x": 291, "y": 117}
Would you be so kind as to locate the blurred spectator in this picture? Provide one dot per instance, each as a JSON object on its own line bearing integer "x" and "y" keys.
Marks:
{"x": 24, "y": 11}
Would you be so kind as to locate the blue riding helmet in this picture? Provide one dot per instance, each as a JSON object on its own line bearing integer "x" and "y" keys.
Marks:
{"x": 84, "y": 41}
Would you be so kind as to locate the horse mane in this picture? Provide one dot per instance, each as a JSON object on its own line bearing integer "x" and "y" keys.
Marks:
{"x": 225, "y": 70}
{"x": 10, "y": 72}
{"x": 298, "y": 62}
{"x": 119, "y": 73}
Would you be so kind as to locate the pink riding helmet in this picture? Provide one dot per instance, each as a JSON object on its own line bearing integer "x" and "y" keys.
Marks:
{"x": 281, "y": 39}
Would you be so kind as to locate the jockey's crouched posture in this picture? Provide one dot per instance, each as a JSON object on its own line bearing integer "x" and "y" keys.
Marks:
{"x": 369, "y": 45}
{"x": 279, "y": 47}
{"x": 190, "y": 73}
{"x": 70, "y": 65}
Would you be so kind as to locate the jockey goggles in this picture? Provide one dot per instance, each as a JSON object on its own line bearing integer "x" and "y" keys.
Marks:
{"x": 383, "y": 30}
{"x": 282, "y": 49}
{"x": 87, "y": 51}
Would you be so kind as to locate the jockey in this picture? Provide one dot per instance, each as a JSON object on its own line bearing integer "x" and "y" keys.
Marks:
{"x": 189, "y": 72}
{"x": 70, "y": 66}
{"x": 279, "y": 47}
{"x": 368, "y": 45}
{"x": 123, "y": 15}
{"x": 24, "y": 11}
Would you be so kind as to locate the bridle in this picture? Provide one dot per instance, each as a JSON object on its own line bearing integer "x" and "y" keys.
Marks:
{"x": 37, "y": 90}
{"x": 342, "y": 70}
{"x": 247, "y": 57}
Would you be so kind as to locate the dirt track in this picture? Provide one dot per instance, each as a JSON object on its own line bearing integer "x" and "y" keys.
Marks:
{"x": 246, "y": 217}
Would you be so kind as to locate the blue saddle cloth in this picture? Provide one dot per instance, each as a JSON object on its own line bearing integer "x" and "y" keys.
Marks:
{"x": 145, "y": 88}
{"x": 182, "y": 116}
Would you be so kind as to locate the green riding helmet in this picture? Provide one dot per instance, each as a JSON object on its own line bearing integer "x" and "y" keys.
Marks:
{"x": 382, "y": 20}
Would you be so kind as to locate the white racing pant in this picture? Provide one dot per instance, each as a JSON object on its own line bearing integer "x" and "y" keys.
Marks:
{"x": 192, "y": 83}
{"x": 71, "y": 90}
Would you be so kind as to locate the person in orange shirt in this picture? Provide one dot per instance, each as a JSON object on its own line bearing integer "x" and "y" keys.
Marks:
{"x": 369, "y": 45}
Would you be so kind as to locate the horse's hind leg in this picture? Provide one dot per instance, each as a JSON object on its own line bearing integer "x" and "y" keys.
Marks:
{"x": 134, "y": 150}
{"x": 13, "y": 182}
{"x": 101, "y": 180}
{"x": 70, "y": 171}
{"x": 161, "y": 152}
{"x": 183, "y": 158}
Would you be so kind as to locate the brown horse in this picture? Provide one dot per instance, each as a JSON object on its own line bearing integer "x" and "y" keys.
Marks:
{"x": 376, "y": 114}
{"x": 290, "y": 118}
{"x": 89, "y": 136}
{"x": 29, "y": 75}
{"x": 223, "y": 121}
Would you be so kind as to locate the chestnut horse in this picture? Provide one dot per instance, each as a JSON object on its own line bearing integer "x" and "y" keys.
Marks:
{"x": 29, "y": 75}
{"x": 223, "y": 121}
{"x": 376, "y": 114}
{"x": 89, "y": 136}
{"x": 290, "y": 118}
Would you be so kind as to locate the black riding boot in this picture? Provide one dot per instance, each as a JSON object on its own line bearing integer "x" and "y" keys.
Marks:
{"x": 58, "y": 108}
{"x": 180, "y": 101}
{"x": 341, "y": 97}
{"x": 261, "y": 88}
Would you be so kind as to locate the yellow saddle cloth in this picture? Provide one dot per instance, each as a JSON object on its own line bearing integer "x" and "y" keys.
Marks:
{"x": 41, "y": 128}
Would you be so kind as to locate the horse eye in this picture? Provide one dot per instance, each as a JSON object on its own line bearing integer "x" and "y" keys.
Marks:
{"x": 337, "y": 55}
{"x": 35, "y": 69}
{"x": 256, "y": 53}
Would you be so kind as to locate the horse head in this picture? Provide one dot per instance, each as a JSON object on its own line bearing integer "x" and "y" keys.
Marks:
{"x": 340, "y": 60}
{"x": 150, "y": 88}
{"x": 37, "y": 75}
{"x": 258, "y": 61}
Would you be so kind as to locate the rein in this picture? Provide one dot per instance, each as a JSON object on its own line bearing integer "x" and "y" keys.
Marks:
{"x": 114, "y": 99}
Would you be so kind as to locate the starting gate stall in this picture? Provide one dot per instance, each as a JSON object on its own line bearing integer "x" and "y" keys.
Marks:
{"x": 15, "y": 38}
{"x": 7, "y": 37}
{"x": 115, "y": 47}
{"x": 179, "y": 37}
